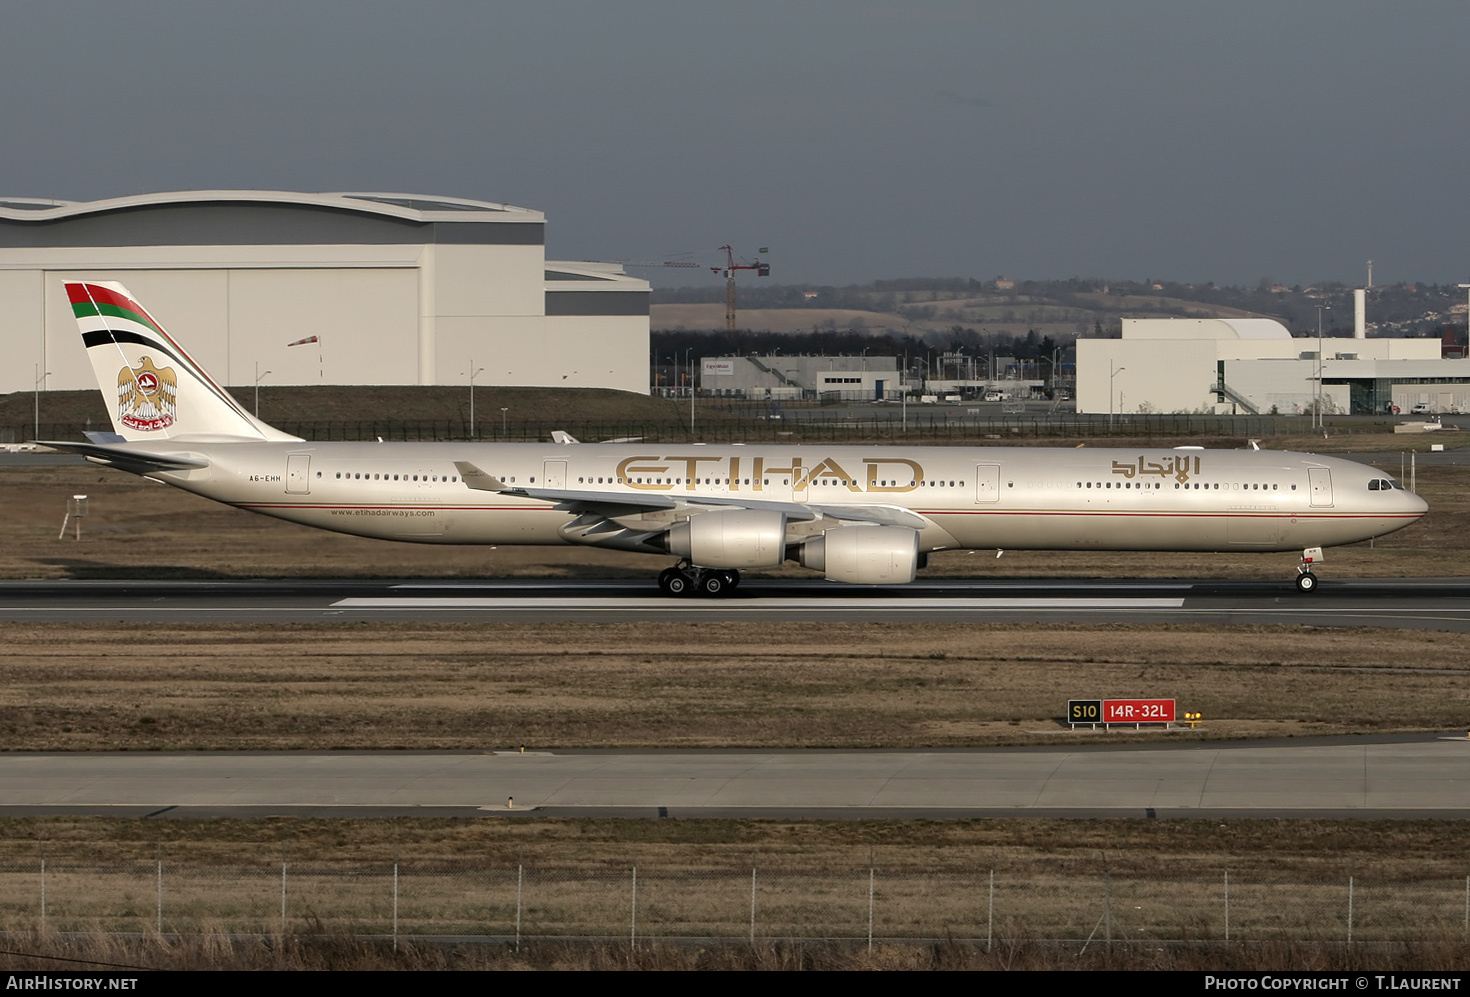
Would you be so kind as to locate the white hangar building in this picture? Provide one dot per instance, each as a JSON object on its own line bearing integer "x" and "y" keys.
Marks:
{"x": 1254, "y": 366}
{"x": 397, "y": 288}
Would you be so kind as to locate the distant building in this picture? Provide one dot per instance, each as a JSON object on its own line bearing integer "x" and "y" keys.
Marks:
{"x": 1248, "y": 366}
{"x": 792, "y": 377}
{"x": 398, "y": 288}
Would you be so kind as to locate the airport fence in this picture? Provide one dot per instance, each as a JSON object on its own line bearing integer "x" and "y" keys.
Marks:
{"x": 519, "y": 903}
{"x": 807, "y": 427}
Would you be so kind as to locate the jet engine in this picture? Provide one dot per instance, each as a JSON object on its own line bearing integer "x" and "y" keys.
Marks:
{"x": 864, "y": 555}
{"x": 736, "y": 539}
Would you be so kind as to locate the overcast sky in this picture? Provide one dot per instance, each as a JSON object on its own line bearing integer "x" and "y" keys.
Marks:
{"x": 1289, "y": 139}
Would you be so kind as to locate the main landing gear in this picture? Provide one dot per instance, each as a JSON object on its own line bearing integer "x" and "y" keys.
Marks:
{"x": 1306, "y": 581}
{"x": 686, "y": 579}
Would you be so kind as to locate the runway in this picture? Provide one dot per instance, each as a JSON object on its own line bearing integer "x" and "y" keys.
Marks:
{"x": 1399, "y": 776}
{"x": 1432, "y": 603}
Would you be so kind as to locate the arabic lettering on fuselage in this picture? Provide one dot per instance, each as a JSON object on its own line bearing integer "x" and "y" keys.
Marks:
{"x": 1176, "y": 466}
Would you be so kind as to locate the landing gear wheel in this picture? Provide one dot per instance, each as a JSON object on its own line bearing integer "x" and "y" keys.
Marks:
{"x": 713, "y": 584}
{"x": 672, "y": 581}
{"x": 732, "y": 579}
{"x": 1306, "y": 583}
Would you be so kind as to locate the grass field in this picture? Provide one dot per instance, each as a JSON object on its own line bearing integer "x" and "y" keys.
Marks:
{"x": 1027, "y": 894}
{"x": 324, "y": 686}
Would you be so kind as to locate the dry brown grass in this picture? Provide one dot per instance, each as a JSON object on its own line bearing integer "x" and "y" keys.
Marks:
{"x": 1402, "y": 850}
{"x": 324, "y": 686}
{"x": 320, "y": 404}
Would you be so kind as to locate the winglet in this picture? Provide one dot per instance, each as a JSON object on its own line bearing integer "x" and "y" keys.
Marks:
{"x": 477, "y": 479}
{"x": 563, "y": 438}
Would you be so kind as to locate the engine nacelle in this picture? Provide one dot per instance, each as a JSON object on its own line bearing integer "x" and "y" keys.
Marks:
{"x": 864, "y": 555}
{"x": 736, "y": 539}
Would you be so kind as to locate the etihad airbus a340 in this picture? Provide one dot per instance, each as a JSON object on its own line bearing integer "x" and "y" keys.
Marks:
{"x": 867, "y": 515}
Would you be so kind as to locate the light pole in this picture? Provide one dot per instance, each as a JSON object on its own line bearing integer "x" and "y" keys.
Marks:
{"x": 689, "y": 363}
{"x": 258, "y": 376}
{"x": 503, "y": 431}
{"x": 473, "y": 371}
{"x": 1114, "y": 373}
{"x": 39, "y": 378}
{"x": 1320, "y": 310}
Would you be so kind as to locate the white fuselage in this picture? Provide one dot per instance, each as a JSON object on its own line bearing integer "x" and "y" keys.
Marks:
{"x": 1011, "y": 498}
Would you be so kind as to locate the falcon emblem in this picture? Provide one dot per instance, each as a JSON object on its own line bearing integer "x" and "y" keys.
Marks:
{"x": 147, "y": 396}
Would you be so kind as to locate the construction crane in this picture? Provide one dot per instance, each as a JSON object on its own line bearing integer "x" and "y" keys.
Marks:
{"x": 761, "y": 270}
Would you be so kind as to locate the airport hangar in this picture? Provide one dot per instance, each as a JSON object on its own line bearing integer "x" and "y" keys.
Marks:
{"x": 1254, "y": 366}
{"x": 398, "y": 288}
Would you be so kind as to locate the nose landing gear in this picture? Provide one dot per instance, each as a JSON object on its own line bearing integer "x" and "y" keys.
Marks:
{"x": 1306, "y": 580}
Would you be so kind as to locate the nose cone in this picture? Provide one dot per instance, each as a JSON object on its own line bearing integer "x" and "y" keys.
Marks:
{"x": 1414, "y": 505}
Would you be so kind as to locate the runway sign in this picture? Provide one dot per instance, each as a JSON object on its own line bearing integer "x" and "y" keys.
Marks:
{"x": 1084, "y": 711}
{"x": 1120, "y": 711}
{"x": 1138, "y": 711}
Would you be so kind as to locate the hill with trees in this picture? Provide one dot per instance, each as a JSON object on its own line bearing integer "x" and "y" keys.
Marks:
{"x": 1022, "y": 318}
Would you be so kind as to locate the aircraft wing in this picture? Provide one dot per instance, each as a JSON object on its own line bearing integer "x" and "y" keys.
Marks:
{"x": 622, "y": 503}
{"x": 127, "y": 459}
{"x": 881, "y": 515}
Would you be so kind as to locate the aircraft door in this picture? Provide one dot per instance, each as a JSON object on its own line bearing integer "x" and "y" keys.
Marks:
{"x": 556, "y": 473}
{"x": 987, "y": 482}
{"x": 298, "y": 474}
{"x": 1321, "y": 482}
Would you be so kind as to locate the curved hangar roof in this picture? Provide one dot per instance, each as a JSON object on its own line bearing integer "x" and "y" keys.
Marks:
{"x": 265, "y": 217}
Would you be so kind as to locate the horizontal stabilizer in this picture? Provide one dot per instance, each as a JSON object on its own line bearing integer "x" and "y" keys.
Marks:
{"x": 126, "y": 459}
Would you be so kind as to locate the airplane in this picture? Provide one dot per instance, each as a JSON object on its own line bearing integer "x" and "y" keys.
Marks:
{"x": 864, "y": 515}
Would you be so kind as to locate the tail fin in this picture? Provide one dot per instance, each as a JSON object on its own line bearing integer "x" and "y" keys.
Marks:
{"x": 153, "y": 389}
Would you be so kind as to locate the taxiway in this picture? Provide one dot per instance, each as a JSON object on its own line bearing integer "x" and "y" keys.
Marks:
{"x": 1390, "y": 776}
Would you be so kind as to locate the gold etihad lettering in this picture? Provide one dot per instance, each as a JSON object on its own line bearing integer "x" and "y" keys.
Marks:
{"x": 880, "y": 480}
{"x": 883, "y": 474}
{"x": 829, "y": 468}
{"x": 1173, "y": 466}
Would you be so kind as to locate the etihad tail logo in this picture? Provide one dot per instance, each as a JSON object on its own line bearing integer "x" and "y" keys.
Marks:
{"x": 147, "y": 396}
